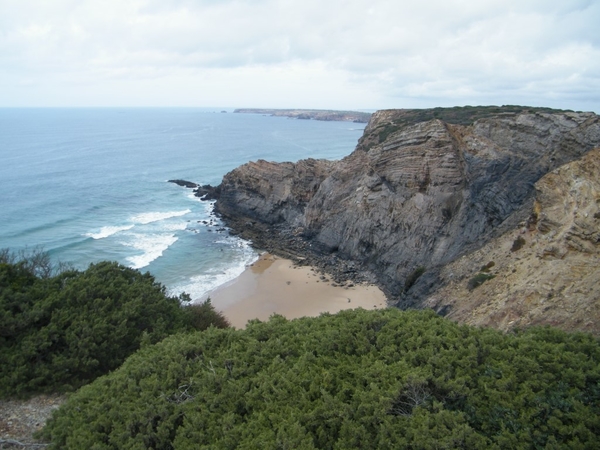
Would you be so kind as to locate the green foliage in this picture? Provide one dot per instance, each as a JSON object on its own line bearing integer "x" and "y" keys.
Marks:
{"x": 385, "y": 130}
{"x": 359, "y": 379}
{"x": 479, "y": 279}
{"x": 59, "y": 332}
{"x": 413, "y": 277}
{"x": 486, "y": 268}
{"x": 201, "y": 316}
{"x": 518, "y": 244}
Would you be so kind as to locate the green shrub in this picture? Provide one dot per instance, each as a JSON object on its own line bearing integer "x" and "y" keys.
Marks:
{"x": 385, "y": 131}
{"x": 359, "y": 379}
{"x": 60, "y": 332}
{"x": 518, "y": 244}
{"x": 201, "y": 316}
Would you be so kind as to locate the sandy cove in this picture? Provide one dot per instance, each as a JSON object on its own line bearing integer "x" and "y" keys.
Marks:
{"x": 273, "y": 285}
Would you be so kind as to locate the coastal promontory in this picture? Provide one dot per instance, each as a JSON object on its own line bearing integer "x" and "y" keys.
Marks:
{"x": 427, "y": 189}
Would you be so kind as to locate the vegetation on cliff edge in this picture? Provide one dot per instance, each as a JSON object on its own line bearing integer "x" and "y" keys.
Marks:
{"x": 458, "y": 115}
{"x": 356, "y": 380}
{"x": 59, "y": 331}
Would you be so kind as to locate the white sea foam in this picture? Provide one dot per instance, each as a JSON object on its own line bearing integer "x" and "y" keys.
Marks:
{"x": 152, "y": 246}
{"x": 150, "y": 217}
{"x": 177, "y": 226}
{"x": 192, "y": 196}
{"x": 209, "y": 207}
{"x": 200, "y": 286}
{"x": 108, "y": 231}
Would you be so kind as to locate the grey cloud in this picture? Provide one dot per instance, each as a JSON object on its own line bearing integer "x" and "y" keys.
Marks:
{"x": 454, "y": 49}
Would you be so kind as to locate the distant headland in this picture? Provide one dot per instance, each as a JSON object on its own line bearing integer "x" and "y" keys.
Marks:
{"x": 314, "y": 114}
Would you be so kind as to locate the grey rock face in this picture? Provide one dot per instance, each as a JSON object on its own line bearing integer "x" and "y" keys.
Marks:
{"x": 412, "y": 195}
{"x": 271, "y": 193}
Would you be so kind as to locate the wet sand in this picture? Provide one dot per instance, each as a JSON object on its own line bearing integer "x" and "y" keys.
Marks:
{"x": 274, "y": 285}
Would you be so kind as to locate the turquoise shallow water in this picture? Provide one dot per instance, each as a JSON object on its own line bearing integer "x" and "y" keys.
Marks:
{"x": 90, "y": 184}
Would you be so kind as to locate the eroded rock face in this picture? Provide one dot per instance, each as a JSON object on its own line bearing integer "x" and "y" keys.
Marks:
{"x": 432, "y": 191}
{"x": 412, "y": 194}
{"x": 546, "y": 270}
{"x": 271, "y": 193}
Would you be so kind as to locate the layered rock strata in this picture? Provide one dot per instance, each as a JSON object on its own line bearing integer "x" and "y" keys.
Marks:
{"x": 546, "y": 271}
{"x": 413, "y": 197}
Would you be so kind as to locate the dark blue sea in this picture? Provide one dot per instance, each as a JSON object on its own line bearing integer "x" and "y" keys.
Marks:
{"x": 91, "y": 184}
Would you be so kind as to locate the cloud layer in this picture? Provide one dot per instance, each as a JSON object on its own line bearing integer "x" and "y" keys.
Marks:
{"x": 289, "y": 53}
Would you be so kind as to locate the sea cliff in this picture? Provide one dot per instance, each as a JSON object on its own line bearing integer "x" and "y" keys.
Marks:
{"x": 422, "y": 190}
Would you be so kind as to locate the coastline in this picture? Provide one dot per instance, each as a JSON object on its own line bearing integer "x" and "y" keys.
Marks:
{"x": 273, "y": 285}
{"x": 311, "y": 114}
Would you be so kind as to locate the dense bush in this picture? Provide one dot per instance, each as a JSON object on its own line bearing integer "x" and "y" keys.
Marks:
{"x": 59, "y": 332}
{"x": 356, "y": 380}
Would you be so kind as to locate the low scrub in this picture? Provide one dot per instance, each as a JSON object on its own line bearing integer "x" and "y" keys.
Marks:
{"x": 59, "y": 331}
{"x": 518, "y": 244}
{"x": 360, "y": 379}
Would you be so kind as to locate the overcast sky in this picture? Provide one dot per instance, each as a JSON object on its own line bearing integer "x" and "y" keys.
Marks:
{"x": 332, "y": 54}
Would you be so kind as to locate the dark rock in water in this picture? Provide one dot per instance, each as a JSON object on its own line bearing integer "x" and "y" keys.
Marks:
{"x": 422, "y": 188}
{"x": 184, "y": 183}
{"x": 207, "y": 192}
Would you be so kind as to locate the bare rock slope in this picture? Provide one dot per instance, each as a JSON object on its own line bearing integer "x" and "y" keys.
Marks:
{"x": 545, "y": 271}
{"x": 423, "y": 189}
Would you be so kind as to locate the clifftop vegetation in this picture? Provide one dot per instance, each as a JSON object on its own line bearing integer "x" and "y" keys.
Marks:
{"x": 380, "y": 379}
{"x": 358, "y": 379}
{"x": 61, "y": 329}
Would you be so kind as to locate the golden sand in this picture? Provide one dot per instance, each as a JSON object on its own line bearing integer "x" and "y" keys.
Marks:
{"x": 276, "y": 286}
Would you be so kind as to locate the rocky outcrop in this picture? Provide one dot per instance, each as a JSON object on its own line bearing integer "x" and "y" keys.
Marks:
{"x": 184, "y": 183}
{"x": 271, "y": 193}
{"x": 207, "y": 192}
{"x": 204, "y": 192}
{"x": 414, "y": 196}
{"x": 545, "y": 271}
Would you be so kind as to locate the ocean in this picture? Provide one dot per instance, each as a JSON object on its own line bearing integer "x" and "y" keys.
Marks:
{"x": 90, "y": 184}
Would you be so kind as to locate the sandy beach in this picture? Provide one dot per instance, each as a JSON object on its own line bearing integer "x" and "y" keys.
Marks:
{"x": 274, "y": 285}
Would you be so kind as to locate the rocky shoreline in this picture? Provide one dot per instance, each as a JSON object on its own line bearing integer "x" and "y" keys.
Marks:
{"x": 289, "y": 243}
{"x": 285, "y": 242}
